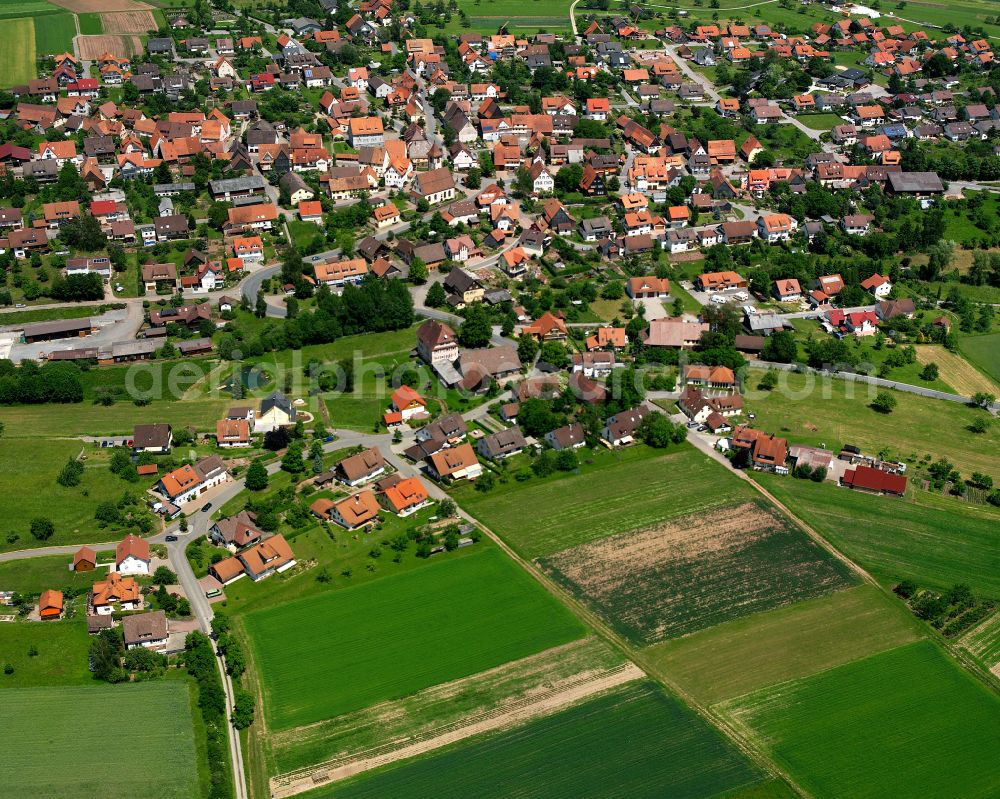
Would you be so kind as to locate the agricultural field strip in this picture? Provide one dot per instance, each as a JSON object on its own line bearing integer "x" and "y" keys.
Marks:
{"x": 745, "y": 655}
{"x": 64, "y": 750}
{"x": 587, "y": 749}
{"x": 693, "y": 572}
{"x": 983, "y": 643}
{"x": 956, "y": 371}
{"x": 439, "y": 705}
{"x": 907, "y": 721}
{"x": 311, "y": 656}
{"x": 511, "y": 713}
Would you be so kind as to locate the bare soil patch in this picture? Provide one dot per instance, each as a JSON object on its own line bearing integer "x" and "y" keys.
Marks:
{"x": 694, "y": 572}
{"x": 129, "y": 22}
{"x": 92, "y": 47}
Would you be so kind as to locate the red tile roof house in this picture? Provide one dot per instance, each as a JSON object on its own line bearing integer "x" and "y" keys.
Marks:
{"x": 787, "y": 290}
{"x": 408, "y": 402}
{"x": 132, "y": 555}
{"x": 648, "y": 287}
{"x": 766, "y": 452}
{"x": 455, "y": 463}
{"x": 405, "y": 497}
{"x": 362, "y": 467}
{"x": 717, "y": 377}
{"x": 874, "y": 481}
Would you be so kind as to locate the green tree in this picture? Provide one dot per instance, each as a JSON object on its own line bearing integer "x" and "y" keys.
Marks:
{"x": 527, "y": 349}
{"x": 436, "y": 297}
{"x": 780, "y": 347}
{"x": 884, "y": 402}
{"x": 71, "y": 474}
{"x": 418, "y": 271}
{"x": 476, "y": 330}
{"x": 42, "y": 528}
{"x": 292, "y": 461}
{"x": 929, "y": 372}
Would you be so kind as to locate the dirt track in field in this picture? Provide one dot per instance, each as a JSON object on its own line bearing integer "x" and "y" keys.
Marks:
{"x": 956, "y": 371}
{"x": 93, "y": 47}
{"x": 515, "y": 712}
{"x": 129, "y": 22}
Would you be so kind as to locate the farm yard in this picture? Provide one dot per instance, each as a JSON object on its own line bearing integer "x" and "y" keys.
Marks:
{"x": 818, "y": 409}
{"x": 315, "y": 662}
{"x": 932, "y": 540}
{"x": 747, "y": 654}
{"x": 614, "y": 492}
{"x": 588, "y": 750}
{"x": 904, "y": 722}
{"x": 693, "y": 572}
{"x": 69, "y": 746}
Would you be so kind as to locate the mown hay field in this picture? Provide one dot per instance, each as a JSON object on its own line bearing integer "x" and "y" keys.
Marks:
{"x": 983, "y": 643}
{"x": 747, "y": 654}
{"x": 323, "y": 656}
{"x": 94, "y": 740}
{"x": 129, "y": 22}
{"x": 935, "y": 540}
{"x": 17, "y": 51}
{"x": 907, "y": 722}
{"x": 92, "y": 47}
{"x": 697, "y": 571}
{"x": 635, "y": 742}
{"x": 619, "y": 492}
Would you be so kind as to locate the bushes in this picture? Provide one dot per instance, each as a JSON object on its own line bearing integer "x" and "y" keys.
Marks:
{"x": 200, "y": 661}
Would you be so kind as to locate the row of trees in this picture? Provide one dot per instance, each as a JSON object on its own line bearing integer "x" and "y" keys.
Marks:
{"x": 32, "y": 384}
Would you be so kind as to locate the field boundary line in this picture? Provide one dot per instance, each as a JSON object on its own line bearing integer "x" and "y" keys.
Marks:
{"x": 745, "y": 745}
{"x": 506, "y": 715}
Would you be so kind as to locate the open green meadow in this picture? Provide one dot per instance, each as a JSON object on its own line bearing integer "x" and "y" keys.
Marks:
{"x": 816, "y": 409}
{"x": 619, "y": 492}
{"x": 27, "y": 8}
{"x": 934, "y": 540}
{"x": 17, "y": 50}
{"x": 907, "y": 722}
{"x": 62, "y": 654}
{"x": 88, "y": 419}
{"x": 744, "y": 655}
{"x": 820, "y": 121}
{"x": 34, "y": 575}
{"x": 635, "y": 741}
{"x": 521, "y": 17}
{"x": 28, "y": 489}
{"x": 327, "y": 655}
{"x": 983, "y": 352}
{"x": 698, "y": 571}
{"x": 91, "y": 24}
{"x": 54, "y": 34}
{"x": 66, "y": 750}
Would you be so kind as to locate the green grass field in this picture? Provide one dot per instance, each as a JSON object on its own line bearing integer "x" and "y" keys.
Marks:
{"x": 983, "y": 352}
{"x": 54, "y": 34}
{"x": 27, "y": 8}
{"x": 635, "y": 741}
{"x": 91, "y": 24}
{"x": 456, "y": 703}
{"x": 521, "y": 17}
{"x": 826, "y": 412}
{"x": 65, "y": 750}
{"x": 795, "y": 641}
{"x": 820, "y": 121}
{"x": 28, "y": 489}
{"x": 343, "y": 651}
{"x": 17, "y": 50}
{"x": 34, "y": 575}
{"x": 62, "y": 654}
{"x": 618, "y": 492}
{"x": 932, "y": 540}
{"x": 698, "y": 571}
{"x": 908, "y": 722}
